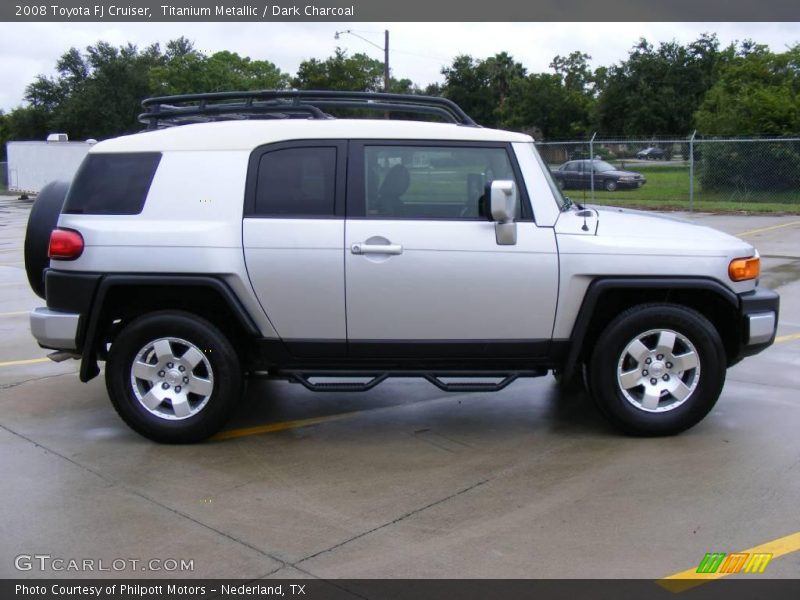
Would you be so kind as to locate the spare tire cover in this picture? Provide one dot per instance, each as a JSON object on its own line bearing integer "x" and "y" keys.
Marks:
{"x": 41, "y": 222}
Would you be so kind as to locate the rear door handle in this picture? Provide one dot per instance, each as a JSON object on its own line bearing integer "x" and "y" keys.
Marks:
{"x": 376, "y": 249}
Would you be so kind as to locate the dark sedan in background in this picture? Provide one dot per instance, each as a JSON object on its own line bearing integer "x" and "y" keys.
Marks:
{"x": 577, "y": 174}
{"x": 652, "y": 153}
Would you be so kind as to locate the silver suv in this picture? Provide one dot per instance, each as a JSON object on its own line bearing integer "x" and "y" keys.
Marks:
{"x": 253, "y": 232}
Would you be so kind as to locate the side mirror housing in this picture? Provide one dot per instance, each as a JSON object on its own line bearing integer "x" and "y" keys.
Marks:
{"x": 503, "y": 200}
{"x": 504, "y": 205}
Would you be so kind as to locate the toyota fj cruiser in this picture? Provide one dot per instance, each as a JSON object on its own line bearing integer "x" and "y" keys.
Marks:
{"x": 252, "y": 232}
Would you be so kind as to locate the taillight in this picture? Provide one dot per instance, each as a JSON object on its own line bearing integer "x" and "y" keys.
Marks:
{"x": 65, "y": 244}
{"x": 742, "y": 269}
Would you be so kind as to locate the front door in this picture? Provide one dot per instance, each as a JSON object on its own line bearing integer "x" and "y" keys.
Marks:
{"x": 424, "y": 272}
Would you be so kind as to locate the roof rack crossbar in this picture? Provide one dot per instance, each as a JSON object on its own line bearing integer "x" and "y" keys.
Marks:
{"x": 162, "y": 110}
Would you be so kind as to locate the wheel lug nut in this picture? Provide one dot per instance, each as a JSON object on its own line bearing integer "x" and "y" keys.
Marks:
{"x": 660, "y": 356}
{"x": 170, "y": 365}
{"x": 178, "y": 389}
{"x": 654, "y": 381}
{"x": 165, "y": 386}
{"x": 185, "y": 380}
{"x": 648, "y": 360}
{"x": 161, "y": 373}
{"x": 665, "y": 378}
{"x": 669, "y": 365}
{"x": 181, "y": 368}
{"x": 645, "y": 372}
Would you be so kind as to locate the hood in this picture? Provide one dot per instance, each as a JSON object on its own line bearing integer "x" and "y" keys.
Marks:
{"x": 620, "y": 173}
{"x": 632, "y": 224}
{"x": 621, "y": 228}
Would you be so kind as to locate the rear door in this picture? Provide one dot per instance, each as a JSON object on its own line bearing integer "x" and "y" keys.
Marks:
{"x": 435, "y": 281}
{"x": 293, "y": 234}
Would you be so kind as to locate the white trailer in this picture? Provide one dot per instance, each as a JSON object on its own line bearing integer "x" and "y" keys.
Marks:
{"x": 32, "y": 165}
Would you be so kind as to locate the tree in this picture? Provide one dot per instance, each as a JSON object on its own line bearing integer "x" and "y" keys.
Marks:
{"x": 658, "y": 90}
{"x": 187, "y": 71}
{"x": 481, "y": 87}
{"x": 758, "y": 92}
{"x": 357, "y": 73}
{"x": 574, "y": 71}
{"x": 95, "y": 94}
{"x": 541, "y": 102}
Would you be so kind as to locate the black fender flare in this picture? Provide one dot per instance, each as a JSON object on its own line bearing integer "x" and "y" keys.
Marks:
{"x": 600, "y": 286}
{"x": 89, "y": 367}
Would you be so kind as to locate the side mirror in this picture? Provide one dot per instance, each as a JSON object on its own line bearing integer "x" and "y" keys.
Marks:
{"x": 504, "y": 204}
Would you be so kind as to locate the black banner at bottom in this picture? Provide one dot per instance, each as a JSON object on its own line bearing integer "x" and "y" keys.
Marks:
{"x": 400, "y": 589}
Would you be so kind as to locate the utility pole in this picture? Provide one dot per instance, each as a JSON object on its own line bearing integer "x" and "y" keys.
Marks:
{"x": 386, "y": 61}
{"x": 385, "y": 48}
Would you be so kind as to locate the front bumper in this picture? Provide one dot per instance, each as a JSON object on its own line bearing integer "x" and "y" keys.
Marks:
{"x": 759, "y": 311}
{"x": 55, "y": 329}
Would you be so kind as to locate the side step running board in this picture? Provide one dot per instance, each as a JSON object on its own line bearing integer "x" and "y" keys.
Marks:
{"x": 465, "y": 386}
{"x": 437, "y": 378}
{"x": 305, "y": 380}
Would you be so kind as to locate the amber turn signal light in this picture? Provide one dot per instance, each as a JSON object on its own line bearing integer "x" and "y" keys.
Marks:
{"x": 742, "y": 269}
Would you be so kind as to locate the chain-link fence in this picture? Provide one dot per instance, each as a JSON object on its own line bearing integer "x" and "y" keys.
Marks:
{"x": 689, "y": 173}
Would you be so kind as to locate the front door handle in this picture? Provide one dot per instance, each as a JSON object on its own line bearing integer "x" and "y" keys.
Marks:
{"x": 376, "y": 249}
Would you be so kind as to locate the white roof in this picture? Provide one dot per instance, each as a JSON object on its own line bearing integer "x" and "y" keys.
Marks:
{"x": 247, "y": 135}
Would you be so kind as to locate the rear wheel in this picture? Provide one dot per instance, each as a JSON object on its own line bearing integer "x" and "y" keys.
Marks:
{"x": 657, "y": 369}
{"x": 173, "y": 377}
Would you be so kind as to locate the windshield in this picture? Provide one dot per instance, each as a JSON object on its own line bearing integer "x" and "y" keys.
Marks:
{"x": 601, "y": 166}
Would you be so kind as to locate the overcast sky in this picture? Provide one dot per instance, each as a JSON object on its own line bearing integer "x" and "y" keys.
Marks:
{"x": 418, "y": 49}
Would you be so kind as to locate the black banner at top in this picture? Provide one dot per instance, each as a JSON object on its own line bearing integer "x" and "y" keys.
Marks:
{"x": 395, "y": 11}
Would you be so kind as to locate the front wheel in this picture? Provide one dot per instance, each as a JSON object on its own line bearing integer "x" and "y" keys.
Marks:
{"x": 610, "y": 185}
{"x": 657, "y": 369}
{"x": 173, "y": 377}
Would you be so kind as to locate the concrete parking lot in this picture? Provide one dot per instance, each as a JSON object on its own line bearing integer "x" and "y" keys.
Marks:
{"x": 404, "y": 480}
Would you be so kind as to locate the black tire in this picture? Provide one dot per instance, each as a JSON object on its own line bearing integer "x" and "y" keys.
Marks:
{"x": 561, "y": 184}
{"x": 41, "y": 222}
{"x": 607, "y": 358}
{"x": 610, "y": 185}
{"x": 219, "y": 363}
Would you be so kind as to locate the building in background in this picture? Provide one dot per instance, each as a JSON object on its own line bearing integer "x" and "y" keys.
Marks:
{"x": 32, "y": 165}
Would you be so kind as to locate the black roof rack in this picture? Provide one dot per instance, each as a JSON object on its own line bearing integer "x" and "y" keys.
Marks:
{"x": 166, "y": 111}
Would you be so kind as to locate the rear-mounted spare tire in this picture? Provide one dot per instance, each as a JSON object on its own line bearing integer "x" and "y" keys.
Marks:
{"x": 41, "y": 222}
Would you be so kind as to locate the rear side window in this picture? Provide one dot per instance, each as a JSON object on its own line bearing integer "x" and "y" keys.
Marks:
{"x": 296, "y": 182}
{"x": 112, "y": 184}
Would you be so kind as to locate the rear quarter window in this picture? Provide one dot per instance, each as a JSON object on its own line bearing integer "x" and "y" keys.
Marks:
{"x": 112, "y": 184}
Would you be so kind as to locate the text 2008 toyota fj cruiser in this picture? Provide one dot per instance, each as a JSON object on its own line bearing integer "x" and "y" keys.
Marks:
{"x": 252, "y": 232}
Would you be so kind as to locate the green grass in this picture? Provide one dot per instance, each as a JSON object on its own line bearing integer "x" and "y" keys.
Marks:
{"x": 667, "y": 188}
